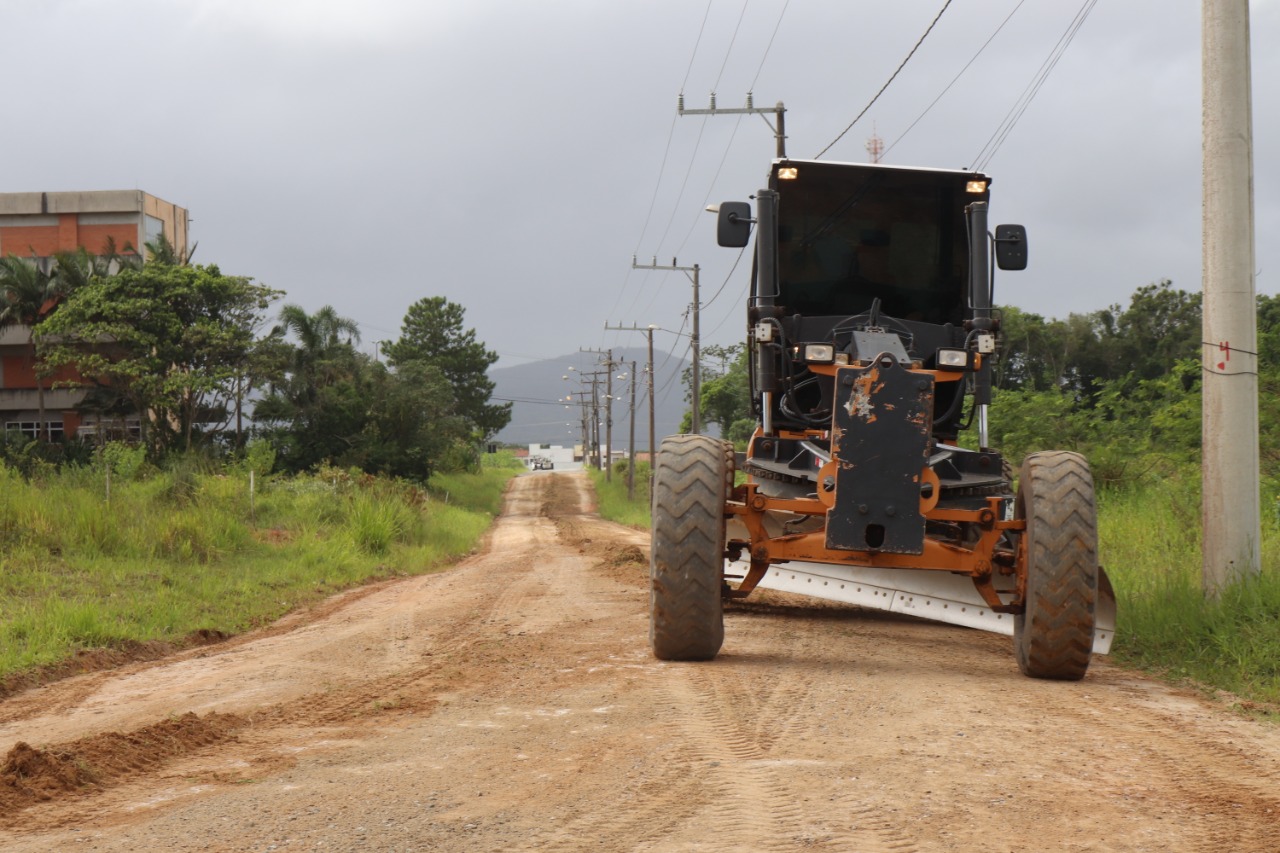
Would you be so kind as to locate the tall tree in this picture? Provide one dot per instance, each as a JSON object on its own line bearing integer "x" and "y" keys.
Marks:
{"x": 726, "y": 392}
{"x": 1143, "y": 340}
{"x": 318, "y": 407}
{"x": 170, "y": 340}
{"x": 433, "y": 333}
{"x": 324, "y": 351}
{"x": 411, "y": 426}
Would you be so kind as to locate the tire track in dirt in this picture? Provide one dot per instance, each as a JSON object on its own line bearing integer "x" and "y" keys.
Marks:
{"x": 639, "y": 815}
{"x": 748, "y": 722}
{"x": 1219, "y": 784}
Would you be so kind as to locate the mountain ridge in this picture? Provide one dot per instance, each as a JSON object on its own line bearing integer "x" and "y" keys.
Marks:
{"x": 541, "y": 415}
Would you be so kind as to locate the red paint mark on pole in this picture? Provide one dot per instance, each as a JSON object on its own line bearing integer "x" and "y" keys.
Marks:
{"x": 1224, "y": 346}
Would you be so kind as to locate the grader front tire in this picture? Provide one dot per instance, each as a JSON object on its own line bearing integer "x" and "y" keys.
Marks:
{"x": 1053, "y": 638}
{"x": 686, "y": 566}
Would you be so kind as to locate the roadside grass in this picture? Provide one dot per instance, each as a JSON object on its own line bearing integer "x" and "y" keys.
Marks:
{"x": 1149, "y": 544}
{"x": 185, "y": 552}
{"x": 612, "y": 496}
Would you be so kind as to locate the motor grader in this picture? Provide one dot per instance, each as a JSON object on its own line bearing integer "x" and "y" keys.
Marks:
{"x": 872, "y": 336}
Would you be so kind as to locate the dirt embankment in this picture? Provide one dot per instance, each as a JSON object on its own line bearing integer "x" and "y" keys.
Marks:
{"x": 512, "y": 704}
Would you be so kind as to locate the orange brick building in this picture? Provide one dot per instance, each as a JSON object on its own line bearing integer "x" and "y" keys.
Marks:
{"x": 38, "y": 225}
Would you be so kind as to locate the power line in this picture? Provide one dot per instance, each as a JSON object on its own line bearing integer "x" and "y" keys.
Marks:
{"x": 526, "y": 400}
{"x": 683, "y": 186}
{"x": 710, "y": 188}
{"x": 1033, "y": 88}
{"x": 671, "y": 353}
{"x": 662, "y": 169}
{"x": 729, "y": 145}
{"x": 666, "y": 152}
{"x": 728, "y": 314}
{"x": 736, "y": 261}
{"x": 934, "y": 102}
{"x": 696, "y": 42}
{"x": 769, "y": 45}
{"x": 887, "y": 82}
{"x": 729, "y": 51}
{"x": 665, "y": 390}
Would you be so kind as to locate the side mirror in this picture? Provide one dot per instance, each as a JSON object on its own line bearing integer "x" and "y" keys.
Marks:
{"x": 1011, "y": 247}
{"x": 733, "y": 224}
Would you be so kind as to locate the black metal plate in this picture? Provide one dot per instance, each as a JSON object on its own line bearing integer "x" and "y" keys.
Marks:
{"x": 880, "y": 443}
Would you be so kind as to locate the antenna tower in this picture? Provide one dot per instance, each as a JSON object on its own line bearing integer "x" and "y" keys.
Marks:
{"x": 875, "y": 145}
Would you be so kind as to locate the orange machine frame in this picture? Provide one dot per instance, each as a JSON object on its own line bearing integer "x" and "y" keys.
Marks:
{"x": 981, "y": 562}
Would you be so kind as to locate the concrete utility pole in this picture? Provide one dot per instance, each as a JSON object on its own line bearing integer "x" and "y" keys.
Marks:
{"x": 586, "y": 433}
{"x": 608, "y": 409}
{"x": 778, "y": 110}
{"x": 631, "y": 462}
{"x": 694, "y": 338}
{"x": 593, "y": 398}
{"x": 649, "y": 330}
{"x": 595, "y": 417}
{"x": 1231, "y": 503}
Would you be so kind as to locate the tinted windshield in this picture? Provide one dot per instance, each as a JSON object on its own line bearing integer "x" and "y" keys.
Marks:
{"x": 848, "y": 234}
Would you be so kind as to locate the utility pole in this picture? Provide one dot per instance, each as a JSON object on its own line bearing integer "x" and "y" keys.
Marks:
{"x": 631, "y": 462}
{"x": 648, "y": 330}
{"x": 778, "y": 110}
{"x": 592, "y": 434}
{"x": 586, "y": 434}
{"x": 694, "y": 338}
{"x": 608, "y": 408}
{"x": 1229, "y": 353}
{"x": 595, "y": 417}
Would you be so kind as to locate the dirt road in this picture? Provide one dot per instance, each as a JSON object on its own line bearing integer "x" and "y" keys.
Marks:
{"x": 512, "y": 704}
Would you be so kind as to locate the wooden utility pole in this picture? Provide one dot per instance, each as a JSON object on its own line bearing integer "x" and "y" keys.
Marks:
{"x": 1230, "y": 458}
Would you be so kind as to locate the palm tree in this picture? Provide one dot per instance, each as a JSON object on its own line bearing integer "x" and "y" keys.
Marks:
{"x": 28, "y": 294}
{"x": 325, "y": 345}
{"x": 74, "y": 270}
{"x": 317, "y": 395}
{"x": 321, "y": 330}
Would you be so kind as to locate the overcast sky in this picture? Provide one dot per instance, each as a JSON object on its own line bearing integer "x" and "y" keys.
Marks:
{"x": 512, "y": 156}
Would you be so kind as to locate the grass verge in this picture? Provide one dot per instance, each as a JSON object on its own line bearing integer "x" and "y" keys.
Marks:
{"x": 175, "y": 556}
{"x": 612, "y": 496}
{"x": 1150, "y": 544}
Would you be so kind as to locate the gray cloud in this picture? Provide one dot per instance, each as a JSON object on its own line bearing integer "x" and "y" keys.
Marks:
{"x": 507, "y": 154}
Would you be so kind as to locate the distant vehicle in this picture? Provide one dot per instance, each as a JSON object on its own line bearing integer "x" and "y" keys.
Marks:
{"x": 541, "y": 463}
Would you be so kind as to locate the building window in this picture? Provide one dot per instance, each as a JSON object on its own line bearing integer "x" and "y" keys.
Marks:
{"x": 153, "y": 228}
{"x": 111, "y": 431}
{"x": 31, "y": 429}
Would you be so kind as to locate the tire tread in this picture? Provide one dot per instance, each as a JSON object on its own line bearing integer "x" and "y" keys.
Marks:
{"x": 687, "y": 556}
{"x": 1054, "y": 637}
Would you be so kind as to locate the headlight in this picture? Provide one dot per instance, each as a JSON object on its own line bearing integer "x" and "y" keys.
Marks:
{"x": 976, "y": 187}
{"x": 819, "y": 352}
{"x": 788, "y": 173}
{"x": 955, "y": 359}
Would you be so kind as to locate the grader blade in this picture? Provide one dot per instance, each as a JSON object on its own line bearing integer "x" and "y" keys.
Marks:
{"x": 937, "y": 596}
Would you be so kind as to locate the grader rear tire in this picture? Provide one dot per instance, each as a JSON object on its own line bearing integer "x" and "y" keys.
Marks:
{"x": 1053, "y": 638}
{"x": 686, "y": 566}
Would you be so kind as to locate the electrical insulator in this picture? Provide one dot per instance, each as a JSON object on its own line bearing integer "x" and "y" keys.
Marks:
{"x": 713, "y": 101}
